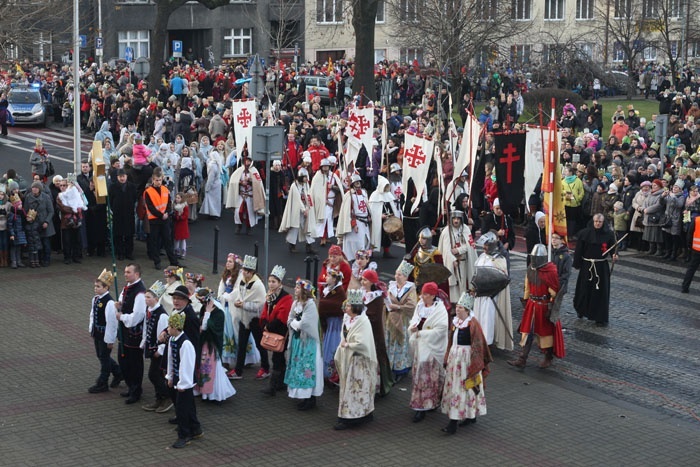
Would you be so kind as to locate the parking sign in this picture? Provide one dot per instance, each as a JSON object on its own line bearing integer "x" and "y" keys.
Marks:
{"x": 177, "y": 49}
{"x": 98, "y": 42}
{"x": 83, "y": 41}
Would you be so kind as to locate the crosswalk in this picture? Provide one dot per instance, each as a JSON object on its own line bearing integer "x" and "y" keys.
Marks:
{"x": 59, "y": 144}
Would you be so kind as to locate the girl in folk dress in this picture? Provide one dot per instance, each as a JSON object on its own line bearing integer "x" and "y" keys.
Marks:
{"x": 304, "y": 377}
{"x": 402, "y": 295}
{"x": 356, "y": 360}
{"x": 361, "y": 264}
{"x": 181, "y": 216}
{"x": 428, "y": 341}
{"x": 374, "y": 294}
{"x": 330, "y": 311}
{"x": 463, "y": 397}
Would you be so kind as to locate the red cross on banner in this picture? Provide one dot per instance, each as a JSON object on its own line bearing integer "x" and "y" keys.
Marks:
{"x": 510, "y": 169}
{"x": 414, "y": 156}
{"x": 244, "y": 118}
{"x": 511, "y": 156}
{"x": 358, "y": 125}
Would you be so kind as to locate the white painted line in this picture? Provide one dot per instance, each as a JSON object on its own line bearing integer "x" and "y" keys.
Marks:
{"x": 49, "y": 134}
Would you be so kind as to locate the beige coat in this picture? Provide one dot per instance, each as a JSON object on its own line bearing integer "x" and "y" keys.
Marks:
{"x": 234, "y": 200}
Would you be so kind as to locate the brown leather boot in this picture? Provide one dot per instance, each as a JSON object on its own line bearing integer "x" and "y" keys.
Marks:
{"x": 521, "y": 361}
{"x": 547, "y": 362}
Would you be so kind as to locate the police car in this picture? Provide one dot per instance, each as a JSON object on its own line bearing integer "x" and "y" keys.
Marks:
{"x": 27, "y": 105}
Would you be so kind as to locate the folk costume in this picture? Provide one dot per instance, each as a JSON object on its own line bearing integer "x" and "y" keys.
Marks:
{"x": 133, "y": 314}
{"x": 230, "y": 347}
{"x": 458, "y": 255}
{"x": 356, "y": 362}
{"x": 211, "y": 205}
{"x": 354, "y": 220}
{"x": 274, "y": 317}
{"x": 428, "y": 341}
{"x": 330, "y": 312}
{"x": 358, "y": 269}
{"x": 103, "y": 329}
{"x": 382, "y": 204}
{"x": 375, "y": 307}
{"x": 156, "y": 323}
{"x": 299, "y": 218}
{"x": 166, "y": 300}
{"x": 343, "y": 266}
{"x": 592, "y": 296}
{"x": 402, "y": 300}
{"x": 463, "y": 396}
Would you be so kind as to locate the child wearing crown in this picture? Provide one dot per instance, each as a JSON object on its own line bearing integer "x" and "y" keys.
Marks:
{"x": 103, "y": 329}
{"x": 153, "y": 344}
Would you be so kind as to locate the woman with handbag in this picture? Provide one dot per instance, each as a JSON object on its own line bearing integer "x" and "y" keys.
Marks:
{"x": 672, "y": 227}
{"x": 653, "y": 212}
{"x": 274, "y": 318}
{"x": 304, "y": 376}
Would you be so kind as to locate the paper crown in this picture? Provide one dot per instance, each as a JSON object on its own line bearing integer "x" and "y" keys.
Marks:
{"x": 363, "y": 254}
{"x": 172, "y": 271}
{"x": 405, "y": 268}
{"x": 194, "y": 277}
{"x": 177, "y": 320}
{"x": 279, "y": 272}
{"x": 106, "y": 277}
{"x": 355, "y": 297}
{"x": 337, "y": 273}
{"x": 250, "y": 262}
{"x": 466, "y": 300}
{"x": 158, "y": 289}
{"x": 204, "y": 294}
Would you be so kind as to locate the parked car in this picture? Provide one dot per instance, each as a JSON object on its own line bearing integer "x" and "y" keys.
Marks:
{"x": 320, "y": 82}
{"x": 27, "y": 105}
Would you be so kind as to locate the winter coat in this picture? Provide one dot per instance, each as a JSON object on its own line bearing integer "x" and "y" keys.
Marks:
{"x": 122, "y": 199}
{"x": 674, "y": 211}
{"x": 15, "y": 225}
{"x": 637, "y": 204}
{"x": 43, "y": 206}
{"x": 654, "y": 206}
{"x": 620, "y": 220}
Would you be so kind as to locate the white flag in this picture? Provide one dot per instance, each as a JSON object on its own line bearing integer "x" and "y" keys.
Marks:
{"x": 469, "y": 146}
{"x": 535, "y": 149}
{"x": 359, "y": 131}
{"x": 244, "y": 119}
{"x": 416, "y": 162}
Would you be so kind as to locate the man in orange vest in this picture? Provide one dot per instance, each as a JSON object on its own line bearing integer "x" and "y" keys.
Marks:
{"x": 158, "y": 207}
{"x": 695, "y": 260}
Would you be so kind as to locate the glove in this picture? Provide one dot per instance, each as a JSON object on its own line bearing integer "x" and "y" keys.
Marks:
{"x": 295, "y": 324}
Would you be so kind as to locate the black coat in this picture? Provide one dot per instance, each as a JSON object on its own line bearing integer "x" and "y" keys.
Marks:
{"x": 122, "y": 199}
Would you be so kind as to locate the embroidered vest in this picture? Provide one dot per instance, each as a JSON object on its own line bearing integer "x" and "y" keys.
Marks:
{"x": 175, "y": 346}
{"x": 131, "y": 336}
{"x": 152, "y": 331}
{"x": 99, "y": 321}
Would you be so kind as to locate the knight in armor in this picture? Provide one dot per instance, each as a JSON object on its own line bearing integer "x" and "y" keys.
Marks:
{"x": 131, "y": 312}
{"x": 424, "y": 253}
{"x": 103, "y": 329}
{"x": 459, "y": 254}
{"x": 502, "y": 224}
{"x": 354, "y": 221}
{"x": 494, "y": 313}
{"x": 540, "y": 320}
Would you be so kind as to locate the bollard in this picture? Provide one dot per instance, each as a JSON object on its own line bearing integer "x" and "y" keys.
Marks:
{"x": 256, "y": 250}
{"x": 308, "y": 261}
{"x": 316, "y": 269}
{"x": 215, "y": 262}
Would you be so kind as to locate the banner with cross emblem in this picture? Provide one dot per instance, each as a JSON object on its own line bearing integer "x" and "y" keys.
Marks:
{"x": 510, "y": 169}
{"x": 418, "y": 151}
{"x": 360, "y": 130}
{"x": 244, "y": 119}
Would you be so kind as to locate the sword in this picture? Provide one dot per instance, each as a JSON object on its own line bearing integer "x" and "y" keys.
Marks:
{"x": 615, "y": 244}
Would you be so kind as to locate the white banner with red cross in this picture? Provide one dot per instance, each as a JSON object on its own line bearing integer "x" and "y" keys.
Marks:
{"x": 418, "y": 152}
{"x": 360, "y": 130}
{"x": 244, "y": 119}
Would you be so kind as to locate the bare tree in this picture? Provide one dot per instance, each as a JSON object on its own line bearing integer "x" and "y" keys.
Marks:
{"x": 165, "y": 8}
{"x": 623, "y": 28}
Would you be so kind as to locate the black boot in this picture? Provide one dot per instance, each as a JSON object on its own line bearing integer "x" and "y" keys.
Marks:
{"x": 451, "y": 427}
{"x": 652, "y": 249}
{"x": 98, "y": 387}
{"x": 292, "y": 247}
{"x": 674, "y": 254}
{"x": 308, "y": 404}
{"x": 310, "y": 250}
{"x": 274, "y": 383}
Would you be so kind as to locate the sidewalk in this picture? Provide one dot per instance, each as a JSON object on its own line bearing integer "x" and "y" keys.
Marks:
{"x": 47, "y": 417}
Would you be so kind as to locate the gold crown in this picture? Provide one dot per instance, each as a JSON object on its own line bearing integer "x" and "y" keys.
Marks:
{"x": 106, "y": 277}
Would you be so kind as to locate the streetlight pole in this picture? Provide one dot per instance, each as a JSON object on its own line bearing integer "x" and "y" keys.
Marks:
{"x": 76, "y": 88}
{"x": 99, "y": 31}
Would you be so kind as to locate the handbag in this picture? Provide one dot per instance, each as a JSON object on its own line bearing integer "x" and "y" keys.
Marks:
{"x": 655, "y": 219}
{"x": 272, "y": 341}
{"x": 50, "y": 171}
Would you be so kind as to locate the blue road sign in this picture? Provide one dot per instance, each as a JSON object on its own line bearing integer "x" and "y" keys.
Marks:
{"x": 98, "y": 42}
{"x": 129, "y": 54}
{"x": 83, "y": 41}
{"x": 177, "y": 49}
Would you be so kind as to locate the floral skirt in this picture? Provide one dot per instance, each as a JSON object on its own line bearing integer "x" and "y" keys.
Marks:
{"x": 428, "y": 378}
{"x": 230, "y": 349}
{"x": 304, "y": 369}
{"x": 457, "y": 401}
{"x": 213, "y": 383}
{"x": 399, "y": 353}
{"x": 356, "y": 396}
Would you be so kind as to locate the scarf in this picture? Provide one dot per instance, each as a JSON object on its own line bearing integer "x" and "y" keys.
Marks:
{"x": 180, "y": 207}
{"x": 570, "y": 179}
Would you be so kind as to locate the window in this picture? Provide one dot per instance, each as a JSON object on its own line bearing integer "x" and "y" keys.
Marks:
{"x": 584, "y": 9}
{"x": 520, "y": 54}
{"x": 132, "y": 1}
{"x": 694, "y": 49}
{"x": 238, "y": 42}
{"x": 139, "y": 41}
{"x": 552, "y": 53}
{"x": 329, "y": 11}
{"x": 585, "y": 50}
{"x": 650, "y": 9}
{"x": 553, "y": 9}
{"x": 675, "y": 47}
{"x": 11, "y": 52}
{"x": 486, "y": 10}
{"x": 521, "y": 10}
{"x": 381, "y": 12}
{"x": 409, "y": 11}
{"x": 379, "y": 55}
{"x": 487, "y": 55}
{"x": 618, "y": 53}
{"x": 649, "y": 53}
{"x": 408, "y": 55}
{"x": 623, "y": 9}
{"x": 673, "y": 8}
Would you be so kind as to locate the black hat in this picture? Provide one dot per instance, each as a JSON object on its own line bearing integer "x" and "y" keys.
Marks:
{"x": 182, "y": 292}
{"x": 121, "y": 172}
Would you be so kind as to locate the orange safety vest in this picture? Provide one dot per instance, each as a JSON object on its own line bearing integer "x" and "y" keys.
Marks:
{"x": 159, "y": 199}
{"x": 696, "y": 235}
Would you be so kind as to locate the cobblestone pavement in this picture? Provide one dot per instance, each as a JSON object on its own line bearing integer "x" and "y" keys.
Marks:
{"x": 625, "y": 395}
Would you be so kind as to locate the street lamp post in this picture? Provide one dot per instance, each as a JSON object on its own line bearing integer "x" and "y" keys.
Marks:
{"x": 76, "y": 87}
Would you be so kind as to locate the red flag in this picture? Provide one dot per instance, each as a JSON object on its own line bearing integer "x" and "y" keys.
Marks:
{"x": 549, "y": 161}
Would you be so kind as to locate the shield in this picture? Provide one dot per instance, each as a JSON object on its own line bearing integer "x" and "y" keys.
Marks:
{"x": 432, "y": 272}
{"x": 489, "y": 281}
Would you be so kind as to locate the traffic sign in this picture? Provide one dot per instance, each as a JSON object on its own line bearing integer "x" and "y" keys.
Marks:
{"x": 129, "y": 54}
{"x": 83, "y": 41}
{"x": 267, "y": 140}
{"x": 141, "y": 67}
{"x": 177, "y": 49}
{"x": 98, "y": 42}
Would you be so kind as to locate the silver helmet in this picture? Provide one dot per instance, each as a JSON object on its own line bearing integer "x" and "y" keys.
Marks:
{"x": 489, "y": 241}
{"x": 425, "y": 232}
{"x": 538, "y": 256}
